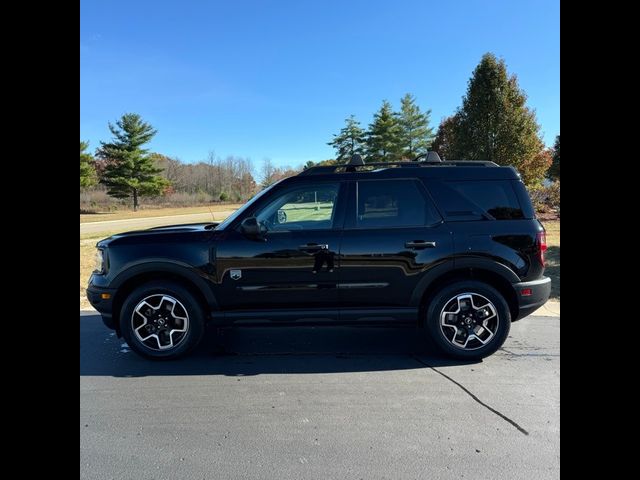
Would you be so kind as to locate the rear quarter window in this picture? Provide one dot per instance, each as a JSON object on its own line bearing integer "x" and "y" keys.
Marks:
{"x": 472, "y": 199}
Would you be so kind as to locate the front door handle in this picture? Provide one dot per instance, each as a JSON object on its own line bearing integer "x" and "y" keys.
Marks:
{"x": 313, "y": 247}
{"x": 419, "y": 244}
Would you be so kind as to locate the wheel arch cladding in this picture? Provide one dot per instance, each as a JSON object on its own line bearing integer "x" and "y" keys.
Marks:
{"x": 496, "y": 280}
{"x": 133, "y": 279}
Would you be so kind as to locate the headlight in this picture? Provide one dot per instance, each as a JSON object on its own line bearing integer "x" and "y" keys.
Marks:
{"x": 99, "y": 261}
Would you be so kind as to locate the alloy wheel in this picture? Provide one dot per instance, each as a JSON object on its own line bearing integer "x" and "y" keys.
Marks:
{"x": 160, "y": 322}
{"x": 469, "y": 321}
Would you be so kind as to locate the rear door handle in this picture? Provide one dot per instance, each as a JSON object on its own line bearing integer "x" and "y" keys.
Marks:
{"x": 418, "y": 244}
{"x": 313, "y": 247}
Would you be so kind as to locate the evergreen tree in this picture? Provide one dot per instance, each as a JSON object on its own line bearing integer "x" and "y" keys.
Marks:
{"x": 554, "y": 169}
{"x": 88, "y": 177}
{"x": 384, "y": 137}
{"x": 496, "y": 125}
{"x": 350, "y": 140}
{"x": 416, "y": 133}
{"x": 128, "y": 169}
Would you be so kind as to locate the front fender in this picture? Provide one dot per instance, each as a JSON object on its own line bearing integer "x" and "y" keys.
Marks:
{"x": 174, "y": 267}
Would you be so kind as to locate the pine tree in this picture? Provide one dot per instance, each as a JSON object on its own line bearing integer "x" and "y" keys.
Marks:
{"x": 350, "y": 140}
{"x": 554, "y": 169}
{"x": 416, "y": 133}
{"x": 384, "y": 139}
{"x": 128, "y": 169}
{"x": 88, "y": 177}
{"x": 496, "y": 125}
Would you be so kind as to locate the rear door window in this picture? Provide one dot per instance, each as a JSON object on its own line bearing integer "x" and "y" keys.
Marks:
{"x": 393, "y": 203}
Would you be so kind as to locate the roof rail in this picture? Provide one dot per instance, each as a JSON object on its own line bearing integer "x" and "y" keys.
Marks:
{"x": 354, "y": 165}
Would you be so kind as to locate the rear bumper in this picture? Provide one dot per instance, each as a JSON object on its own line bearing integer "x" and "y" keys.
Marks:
{"x": 527, "y": 304}
{"x": 103, "y": 306}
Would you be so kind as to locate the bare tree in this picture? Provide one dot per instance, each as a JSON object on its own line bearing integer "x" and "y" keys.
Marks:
{"x": 267, "y": 173}
{"x": 270, "y": 174}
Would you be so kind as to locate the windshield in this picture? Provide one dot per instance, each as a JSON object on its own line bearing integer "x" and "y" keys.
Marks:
{"x": 241, "y": 210}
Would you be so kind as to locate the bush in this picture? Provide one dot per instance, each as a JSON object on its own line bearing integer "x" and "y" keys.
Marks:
{"x": 224, "y": 197}
{"x": 554, "y": 195}
{"x": 97, "y": 200}
{"x": 178, "y": 199}
{"x": 546, "y": 199}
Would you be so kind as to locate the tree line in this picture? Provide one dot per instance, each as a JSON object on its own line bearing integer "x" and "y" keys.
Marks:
{"x": 493, "y": 123}
{"x": 127, "y": 170}
{"x": 392, "y": 136}
{"x": 224, "y": 179}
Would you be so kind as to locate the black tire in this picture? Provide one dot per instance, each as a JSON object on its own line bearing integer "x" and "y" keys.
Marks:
{"x": 446, "y": 295}
{"x": 184, "y": 343}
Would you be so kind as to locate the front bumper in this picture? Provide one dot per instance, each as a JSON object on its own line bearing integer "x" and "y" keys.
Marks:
{"x": 102, "y": 305}
{"x": 527, "y": 304}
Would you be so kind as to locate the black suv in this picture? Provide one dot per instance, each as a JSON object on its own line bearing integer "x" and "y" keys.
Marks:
{"x": 453, "y": 248}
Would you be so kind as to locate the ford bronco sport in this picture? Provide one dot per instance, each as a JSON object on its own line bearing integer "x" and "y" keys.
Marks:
{"x": 452, "y": 248}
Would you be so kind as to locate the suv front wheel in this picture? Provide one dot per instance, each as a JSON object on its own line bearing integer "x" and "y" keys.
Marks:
{"x": 161, "y": 320}
{"x": 468, "y": 320}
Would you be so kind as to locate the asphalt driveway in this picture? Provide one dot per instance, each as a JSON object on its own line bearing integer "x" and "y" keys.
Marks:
{"x": 311, "y": 403}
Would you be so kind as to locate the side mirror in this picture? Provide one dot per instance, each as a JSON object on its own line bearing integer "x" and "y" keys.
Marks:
{"x": 251, "y": 228}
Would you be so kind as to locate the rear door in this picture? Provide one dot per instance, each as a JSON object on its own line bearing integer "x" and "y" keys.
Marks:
{"x": 393, "y": 236}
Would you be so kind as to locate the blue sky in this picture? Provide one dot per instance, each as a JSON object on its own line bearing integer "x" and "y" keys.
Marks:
{"x": 277, "y": 78}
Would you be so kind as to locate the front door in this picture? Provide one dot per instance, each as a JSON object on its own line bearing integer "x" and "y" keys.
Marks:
{"x": 295, "y": 265}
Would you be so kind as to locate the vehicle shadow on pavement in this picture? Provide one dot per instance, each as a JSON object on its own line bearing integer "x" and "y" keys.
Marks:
{"x": 254, "y": 351}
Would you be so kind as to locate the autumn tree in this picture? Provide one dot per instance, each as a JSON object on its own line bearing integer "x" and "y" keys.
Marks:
{"x": 444, "y": 142}
{"x": 554, "y": 169}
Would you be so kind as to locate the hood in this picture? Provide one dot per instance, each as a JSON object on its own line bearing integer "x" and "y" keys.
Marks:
{"x": 185, "y": 227}
{"x": 156, "y": 233}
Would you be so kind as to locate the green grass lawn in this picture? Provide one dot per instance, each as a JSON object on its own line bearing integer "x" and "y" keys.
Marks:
{"x": 306, "y": 212}
{"x": 157, "y": 212}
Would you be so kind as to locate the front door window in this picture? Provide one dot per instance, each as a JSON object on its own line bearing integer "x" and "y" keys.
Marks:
{"x": 311, "y": 207}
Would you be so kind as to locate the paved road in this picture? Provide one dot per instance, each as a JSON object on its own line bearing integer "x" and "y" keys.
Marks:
{"x": 140, "y": 223}
{"x": 310, "y": 403}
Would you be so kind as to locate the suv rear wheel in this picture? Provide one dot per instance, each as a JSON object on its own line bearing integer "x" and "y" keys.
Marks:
{"x": 468, "y": 320}
{"x": 161, "y": 320}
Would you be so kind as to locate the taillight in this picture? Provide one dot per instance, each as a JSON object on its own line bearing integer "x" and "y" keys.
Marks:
{"x": 542, "y": 246}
